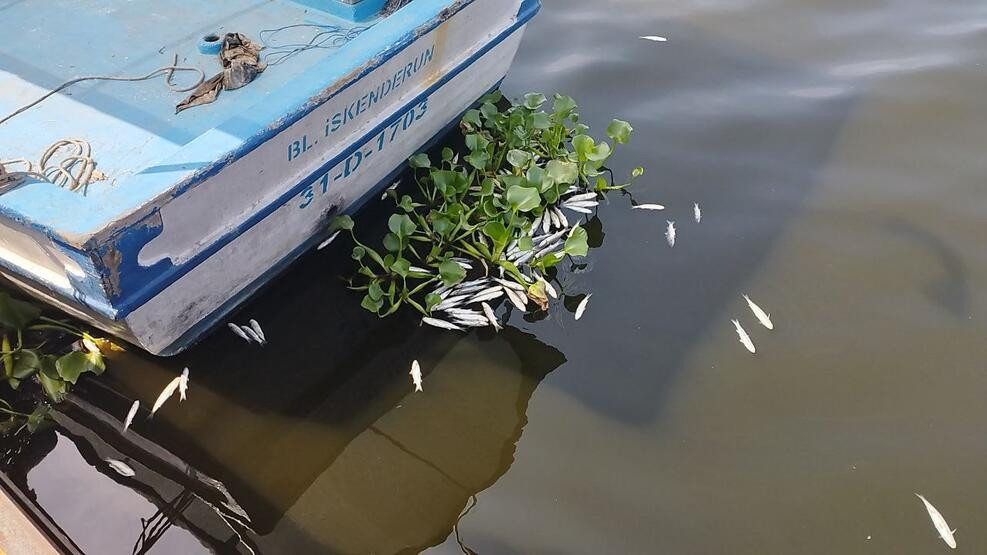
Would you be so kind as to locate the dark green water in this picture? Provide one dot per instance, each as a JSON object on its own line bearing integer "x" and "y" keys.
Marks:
{"x": 838, "y": 152}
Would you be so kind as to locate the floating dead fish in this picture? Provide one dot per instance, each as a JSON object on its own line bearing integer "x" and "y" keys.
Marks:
{"x": 253, "y": 335}
{"x": 442, "y": 324}
{"x": 416, "y": 375}
{"x": 745, "y": 339}
{"x": 511, "y": 284}
{"x": 555, "y": 217}
{"x": 489, "y": 313}
{"x": 389, "y": 189}
{"x": 536, "y": 223}
{"x": 578, "y": 209}
{"x": 697, "y": 212}
{"x": 549, "y": 248}
{"x": 328, "y": 241}
{"x": 546, "y": 223}
{"x": 489, "y": 295}
{"x": 419, "y": 270}
{"x": 517, "y": 299}
{"x": 583, "y": 196}
{"x": 451, "y": 302}
{"x": 236, "y": 329}
{"x": 545, "y": 239}
{"x": 257, "y": 329}
{"x": 670, "y": 234}
{"x": 581, "y": 308}
{"x": 940, "y": 523}
{"x": 654, "y": 38}
{"x": 647, "y": 207}
{"x": 130, "y": 415}
{"x": 183, "y": 384}
{"x": 548, "y": 288}
{"x": 562, "y": 219}
{"x": 582, "y": 203}
{"x": 761, "y": 315}
{"x": 166, "y": 394}
{"x": 121, "y": 468}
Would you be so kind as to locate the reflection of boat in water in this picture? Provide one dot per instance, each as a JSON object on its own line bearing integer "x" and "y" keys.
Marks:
{"x": 307, "y": 455}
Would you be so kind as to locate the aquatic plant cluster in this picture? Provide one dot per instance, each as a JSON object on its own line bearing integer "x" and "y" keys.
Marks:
{"x": 492, "y": 223}
{"x": 39, "y": 350}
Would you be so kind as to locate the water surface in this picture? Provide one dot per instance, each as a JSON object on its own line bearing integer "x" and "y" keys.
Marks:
{"x": 837, "y": 150}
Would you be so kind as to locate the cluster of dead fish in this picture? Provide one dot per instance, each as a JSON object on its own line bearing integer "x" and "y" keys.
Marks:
{"x": 251, "y": 334}
{"x": 763, "y": 317}
{"x": 179, "y": 384}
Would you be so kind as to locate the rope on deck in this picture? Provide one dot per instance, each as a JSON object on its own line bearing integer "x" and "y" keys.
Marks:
{"x": 67, "y": 163}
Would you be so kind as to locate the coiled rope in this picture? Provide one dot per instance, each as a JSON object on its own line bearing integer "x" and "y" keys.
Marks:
{"x": 76, "y": 169}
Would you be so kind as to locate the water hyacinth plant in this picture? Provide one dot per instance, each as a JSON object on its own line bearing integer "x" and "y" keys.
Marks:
{"x": 491, "y": 223}
{"x": 35, "y": 349}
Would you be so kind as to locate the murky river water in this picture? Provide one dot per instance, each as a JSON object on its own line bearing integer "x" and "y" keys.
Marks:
{"x": 839, "y": 152}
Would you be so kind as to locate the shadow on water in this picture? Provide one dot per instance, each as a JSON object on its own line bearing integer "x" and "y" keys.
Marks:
{"x": 316, "y": 442}
{"x": 951, "y": 291}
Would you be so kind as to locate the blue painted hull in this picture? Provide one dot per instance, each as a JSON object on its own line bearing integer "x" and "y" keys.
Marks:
{"x": 199, "y": 211}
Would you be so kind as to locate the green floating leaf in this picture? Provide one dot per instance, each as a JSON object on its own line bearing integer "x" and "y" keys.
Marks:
{"x": 637, "y": 172}
{"x": 472, "y": 118}
{"x": 584, "y": 145}
{"x": 401, "y": 225}
{"x": 563, "y": 106}
{"x": 392, "y": 243}
{"x": 451, "y": 272}
{"x": 420, "y": 161}
{"x": 26, "y": 363}
{"x": 620, "y": 131}
{"x": 38, "y": 419}
{"x": 523, "y": 199}
{"x": 359, "y": 253}
{"x": 431, "y": 301}
{"x": 54, "y": 387}
{"x": 343, "y": 222}
{"x": 401, "y": 267}
{"x": 371, "y": 304}
{"x": 533, "y": 101}
{"x": 15, "y": 314}
{"x": 577, "y": 243}
{"x": 73, "y": 365}
{"x": 518, "y": 158}
{"x": 562, "y": 172}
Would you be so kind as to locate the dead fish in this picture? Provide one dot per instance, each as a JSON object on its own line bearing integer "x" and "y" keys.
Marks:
{"x": 647, "y": 207}
{"x": 745, "y": 339}
{"x": 548, "y": 288}
{"x": 654, "y": 38}
{"x": 517, "y": 299}
{"x": 416, "y": 375}
{"x": 451, "y": 302}
{"x": 236, "y": 329}
{"x": 546, "y": 223}
{"x": 389, "y": 189}
{"x": 581, "y": 308}
{"x": 130, "y": 415}
{"x": 696, "y": 212}
{"x": 555, "y": 217}
{"x": 489, "y": 313}
{"x": 582, "y": 203}
{"x": 940, "y": 523}
{"x": 183, "y": 384}
{"x": 762, "y": 316}
{"x": 256, "y": 327}
{"x": 577, "y": 209}
{"x": 536, "y": 223}
{"x": 253, "y": 335}
{"x": 583, "y": 196}
{"x": 419, "y": 270}
{"x": 488, "y": 296}
{"x": 442, "y": 324}
{"x": 166, "y": 394}
{"x": 670, "y": 234}
{"x": 562, "y": 219}
{"x": 121, "y": 468}
{"x": 511, "y": 284}
{"x": 328, "y": 241}
{"x": 547, "y": 249}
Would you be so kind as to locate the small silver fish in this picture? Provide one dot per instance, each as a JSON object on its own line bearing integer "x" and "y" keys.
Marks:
{"x": 647, "y": 207}
{"x": 328, "y": 241}
{"x": 562, "y": 219}
{"x": 536, "y": 223}
{"x": 256, "y": 327}
{"x": 489, "y": 313}
{"x": 236, "y": 329}
{"x": 121, "y": 468}
{"x": 546, "y": 223}
{"x": 583, "y": 196}
{"x": 577, "y": 209}
{"x": 511, "y": 284}
{"x": 419, "y": 270}
{"x": 548, "y": 288}
{"x": 253, "y": 335}
{"x": 697, "y": 212}
{"x": 940, "y": 523}
{"x": 670, "y": 234}
{"x": 166, "y": 394}
{"x": 761, "y": 315}
{"x": 581, "y": 308}
{"x": 183, "y": 384}
{"x": 488, "y": 296}
{"x": 654, "y": 38}
{"x": 556, "y": 222}
{"x": 520, "y": 300}
{"x": 583, "y": 203}
{"x": 549, "y": 248}
{"x": 389, "y": 189}
{"x": 416, "y": 375}
{"x": 442, "y": 324}
{"x": 745, "y": 339}
{"x": 130, "y": 415}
